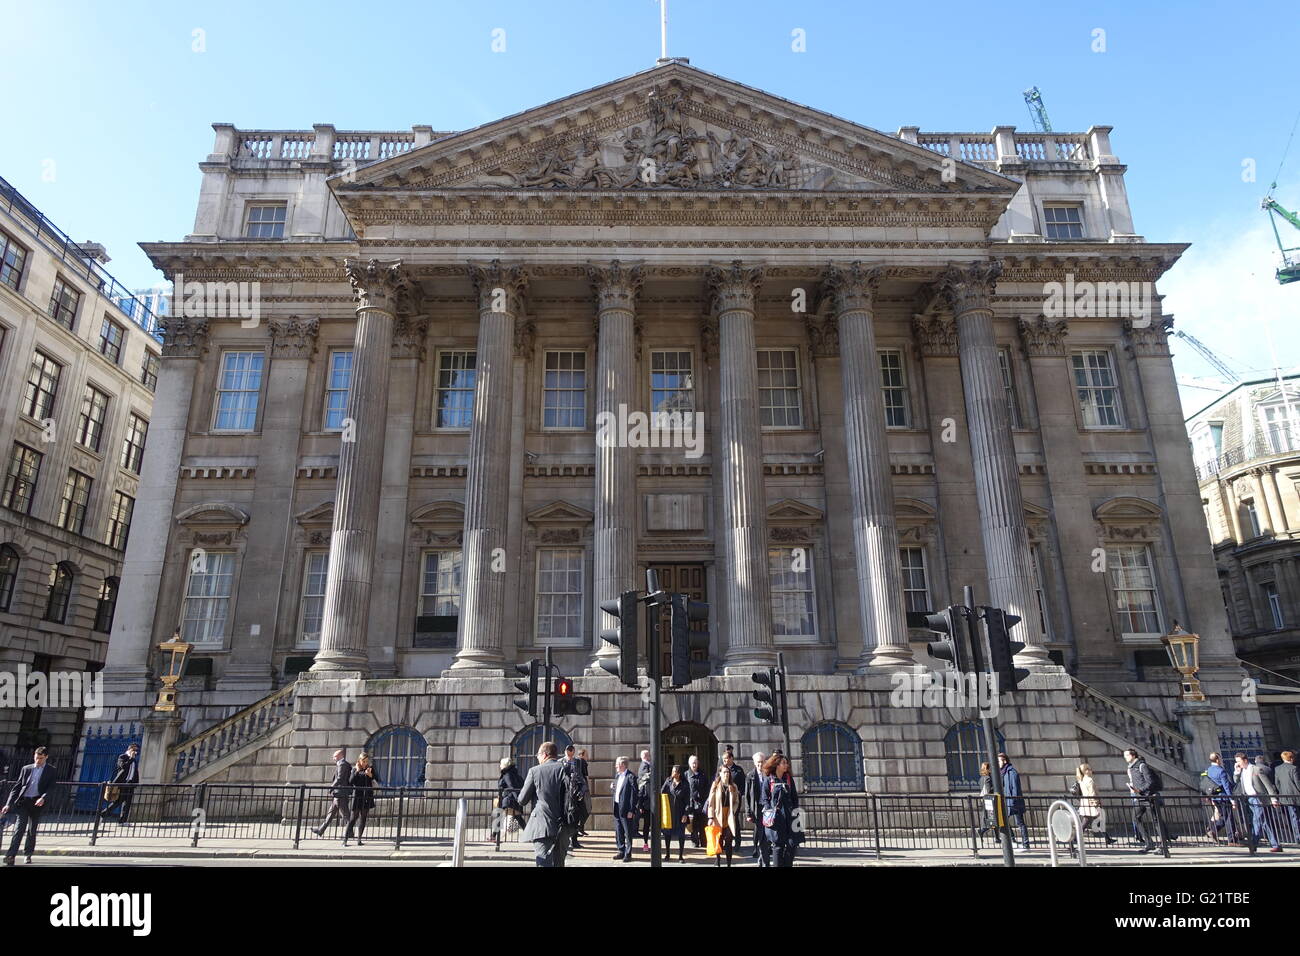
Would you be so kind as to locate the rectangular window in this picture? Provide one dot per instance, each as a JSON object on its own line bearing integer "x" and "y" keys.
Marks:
{"x": 1274, "y": 603}
{"x": 94, "y": 413}
{"x": 1009, "y": 386}
{"x": 313, "y": 596}
{"x": 149, "y": 370}
{"x": 238, "y": 388}
{"x": 1044, "y": 619}
{"x": 12, "y": 259}
{"x": 1094, "y": 383}
{"x": 780, "y": 402}
{"x": 564, "y": 390}
{"x": 559, "y": 596}
{"x": 893, "y": 386}
{"x": 207, "y": 598}
{"x": 42, "y": 387}
{"x": 1281, "y": 421}
{"x": 20, "y": 480}
{"x": 916, "y": 585}
{"x": 119, "y": 520}
{"x": 1137, "y": 601}
{"x": 110, "y": 340}
{"x": 440, "y": 592}
{"x": 794, "y": 605}
{"x": 137, "y": 430}
{"x": 672, "y": 382}
{"x": 1252, "y": 519}
{"x": 1063, "y": 220}
{"x": 76, "y": 495}
{"x": 265, "y": 220}
{"x": 456, "y": 377}
{"x": 337, "y": 388}
{"x": 63, "y": 304}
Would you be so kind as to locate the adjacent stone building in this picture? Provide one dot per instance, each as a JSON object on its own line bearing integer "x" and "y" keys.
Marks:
{"x": 79, "y": 374}
{"x": 381, "y": 481}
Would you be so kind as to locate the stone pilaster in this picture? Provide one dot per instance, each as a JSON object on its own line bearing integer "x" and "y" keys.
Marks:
{"x": 500, "y": 294}
{"x": 616, "y": 287}
{"x": 744, "y": 504}
{"x": 882, "y": 616}
{"x": 380, "y": 289}
{"x": 968, "y": 292}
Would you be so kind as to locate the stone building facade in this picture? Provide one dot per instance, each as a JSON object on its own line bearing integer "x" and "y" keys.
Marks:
{"x": 79, "y": 376}
{"x": 392, "y": 485}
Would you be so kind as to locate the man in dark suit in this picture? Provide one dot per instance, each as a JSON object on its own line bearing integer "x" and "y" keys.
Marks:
{"x": 544, "y": 786}
{"x": 697, "y": 800}
{"x": 125, "y": 779}
{"x": 26, "y": 798}
{"x": 340, "y": 794}
{"x": 754, "y": 810}
{"x": 625, "y": 804}
{"x": 645, "y": 781}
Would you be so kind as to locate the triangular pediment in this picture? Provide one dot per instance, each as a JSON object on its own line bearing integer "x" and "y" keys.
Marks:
{"x": 560, "y": 512}
{"x": 787, "y": 509}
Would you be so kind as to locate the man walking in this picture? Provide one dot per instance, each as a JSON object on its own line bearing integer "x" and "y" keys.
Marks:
{"x": 1257, "y": 787}
{"x": 1144, "y": 785}
{"x": 754, "y": 810}
{"x": 1014, "y": 795}
{"x": 625, "y": 803}
{"x": 125, "y": 779}
{"x": 26, "y": 798}
{"x": 1221, "y": 801}
{"x": 645, "y": 785}
{"x": 1287, "y": 779}
{"x": 697, "y": 799}
{"x": 544, "y": 786}
{"x": 340, "y": 794}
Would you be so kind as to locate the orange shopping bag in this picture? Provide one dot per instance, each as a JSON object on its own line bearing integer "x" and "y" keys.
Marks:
{"x": 714, "y": 837}
{"x": 665, "y": 812}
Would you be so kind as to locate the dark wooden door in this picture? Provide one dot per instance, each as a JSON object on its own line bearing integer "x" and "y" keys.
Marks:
{"x": 687, "y": 579}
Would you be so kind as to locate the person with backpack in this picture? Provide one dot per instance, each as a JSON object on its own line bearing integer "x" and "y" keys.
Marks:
{"x": 781, "y": 817}
{"x": 679, "y": 795}
{"x": 697, "y": 782}
{"x": 1216, "y": 787}
{"x": 645, "y": 776}
{"x": 1145, "y": 784}
{"x": 577, "y": 801}
{"x": 1014, "y": 795}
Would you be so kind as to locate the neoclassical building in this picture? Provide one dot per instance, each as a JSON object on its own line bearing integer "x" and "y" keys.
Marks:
{"x": 389, "y": 486}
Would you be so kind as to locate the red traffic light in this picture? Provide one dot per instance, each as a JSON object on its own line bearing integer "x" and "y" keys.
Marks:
{"x": 563, "y": 687}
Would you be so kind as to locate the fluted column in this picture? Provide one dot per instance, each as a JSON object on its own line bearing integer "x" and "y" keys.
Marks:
{"x": 500, "y": 296}
{"x": 616, "y": 287}
{"x": 378, "y": 288}
{"x": 744, "y": 503}
{"x": 968, "y": 292}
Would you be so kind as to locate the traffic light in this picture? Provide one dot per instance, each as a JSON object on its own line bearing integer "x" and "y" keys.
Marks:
{"x": 1002, "y": 649}
{"x": 948, "y": 647}
{"x": 624, "y": 637}
{"x": 533, "y": 671}
{"x": 565, "y": 701}
{"x": 765, "y": 695}
{"x": 684, "y": 640}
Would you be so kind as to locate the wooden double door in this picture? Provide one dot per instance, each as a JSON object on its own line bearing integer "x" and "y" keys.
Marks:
{"x": 688, "y": 579}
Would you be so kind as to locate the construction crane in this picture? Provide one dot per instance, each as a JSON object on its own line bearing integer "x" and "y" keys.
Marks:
{"x": 1290, "y": 271}
{"x": 1034, "y": 100}
{"x": 1205, "y": 353}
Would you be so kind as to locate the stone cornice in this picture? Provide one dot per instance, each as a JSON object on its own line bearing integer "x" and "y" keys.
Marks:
{"x": 733, "y": 286}
{"x": 293, "y": 338}
{"x": 1042, "y": 336}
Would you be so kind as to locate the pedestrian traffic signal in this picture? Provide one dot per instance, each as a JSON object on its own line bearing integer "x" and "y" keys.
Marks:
{"x": 624, "y": 637}
{"x": 566, "y": 703}
{"x": 1002, "y": 649}
{"x": 948, "y": 648}
{"x": 765, "y": 695}
{"x": 684, "y": 640}
{"x": 533, "y": 671}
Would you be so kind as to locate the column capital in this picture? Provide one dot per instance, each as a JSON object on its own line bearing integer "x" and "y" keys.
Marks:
{"x": 967, "y": 288}
{"x": 293, "y": 338}
{"x": 500, "y": 288}
{"x": 184, "y": 337}
{"x": 852, "y": 287}
{"x": 823, "y": 334}
{"x": 1151, "y": 339}
{"x": 616, "y": 285}
{"x": 409, "y": 333}
{"x": 935, "y": 334}
{"x": 1044, "y": 336}
{"x": 378, "y": 284}
{"x": 733, "y": 286}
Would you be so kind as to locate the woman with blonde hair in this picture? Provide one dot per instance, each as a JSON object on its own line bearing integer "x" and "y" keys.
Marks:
{"x": 724, "y": 811}
{"x": 364, "y": 779}
{"x": 1091, "y": 814}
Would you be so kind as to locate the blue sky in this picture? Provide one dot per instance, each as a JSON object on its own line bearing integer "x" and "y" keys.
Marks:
{"x": 106, "y": 135}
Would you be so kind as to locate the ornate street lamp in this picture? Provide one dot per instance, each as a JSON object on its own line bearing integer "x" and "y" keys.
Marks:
{"x": 1184, "y": 654}
{"x": 178, "y": 650}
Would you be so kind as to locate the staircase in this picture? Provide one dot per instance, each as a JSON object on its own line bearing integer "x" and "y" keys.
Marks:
{"x": 234, "y": 738}
{"x": 1122, "y": 727}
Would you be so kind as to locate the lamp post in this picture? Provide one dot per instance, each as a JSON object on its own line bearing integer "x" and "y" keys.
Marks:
{"x": 1184, "y": 654}
{"x": 178, "y": 650}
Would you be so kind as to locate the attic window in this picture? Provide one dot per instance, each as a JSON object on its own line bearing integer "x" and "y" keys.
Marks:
{"x": 265, "y": 220}
{"x": 1063, "y": 220}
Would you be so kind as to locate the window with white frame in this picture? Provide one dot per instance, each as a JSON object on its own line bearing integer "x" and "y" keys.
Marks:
{"x": 1063, "y": 220}
{"x": 559, "y": 596}
{"x": 1096, "y": 388}
{"x": 564, "y": 390}
{"x": 1207, "y": 442}
{"x": 794, "y": 603}
{"x": 314, "y": 568}
{"x": 455, "y": 398}
{"x": 239, "y": 386}
{"x": 94, "y": 413}
{"x": 893, "y": 388}
{"x": 916, "y": 583}
{"x": 1133, "y": 581}
{"x": 207, "y": 597}
{"x": 1280, "y": 420}
{"x": 441, "y": 584}
{"x": 1009, "y": 386}
{"x": 1252, "y": 518}
{"x": 1274, "y": 603}
{"x": 672, "y": 381}
{"x": 780, "y": 403}
{"x": 337, "y": 388}
{"x": 265, "y": 220}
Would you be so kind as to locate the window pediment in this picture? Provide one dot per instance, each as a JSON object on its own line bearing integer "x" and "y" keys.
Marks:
{"x": 213, "y": 513}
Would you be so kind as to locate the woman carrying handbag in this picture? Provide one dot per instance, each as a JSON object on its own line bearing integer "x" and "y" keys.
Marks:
{"x": 677, "y": 793}
{"x": 364, "y": 779}
{"x": 724, "y": 811}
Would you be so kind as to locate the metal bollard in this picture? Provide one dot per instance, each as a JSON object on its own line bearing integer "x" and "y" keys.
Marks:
{"x": 458, "y": 844}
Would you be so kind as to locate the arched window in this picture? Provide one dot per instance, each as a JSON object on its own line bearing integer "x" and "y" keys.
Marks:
{"x": 964, "y": 747}
{"x": 106, "y": 605}
{"x": 832, "y": 759}
{"x": 399, "y": 755}
{"x": 528, "y": 740}
{"x": 56, "y": 605}
{"x": 8, "y": 575}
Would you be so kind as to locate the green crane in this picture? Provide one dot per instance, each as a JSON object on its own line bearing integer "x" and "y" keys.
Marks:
{"x": 1290, "y": 271}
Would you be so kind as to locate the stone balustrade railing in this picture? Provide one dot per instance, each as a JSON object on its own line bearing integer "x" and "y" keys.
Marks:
{"x": 1009, "y": 146}
{"x": 322, "y": 144}
{"x": 1147, "y": 735}
{"x": 235, "y": 731}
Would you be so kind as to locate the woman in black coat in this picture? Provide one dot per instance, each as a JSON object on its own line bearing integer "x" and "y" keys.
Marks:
{"x": 782, "y": 800}
{"x": 508, "y": 787}
{"x": 364, "y": 779}
{"x": 678, "y": 805}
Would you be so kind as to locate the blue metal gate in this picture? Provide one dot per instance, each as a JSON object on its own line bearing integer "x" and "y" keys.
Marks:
{"x": 103, "y": 743}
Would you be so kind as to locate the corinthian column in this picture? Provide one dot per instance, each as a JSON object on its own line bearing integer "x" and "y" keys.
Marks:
{"x": 377, "y": 287}
{"x": 744, "y": 511}
{"x": 968, "y": 293}
{"x": 500, "y": 300}
{"x": 881, "y": 614}
{"x": 616, "y": 287}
